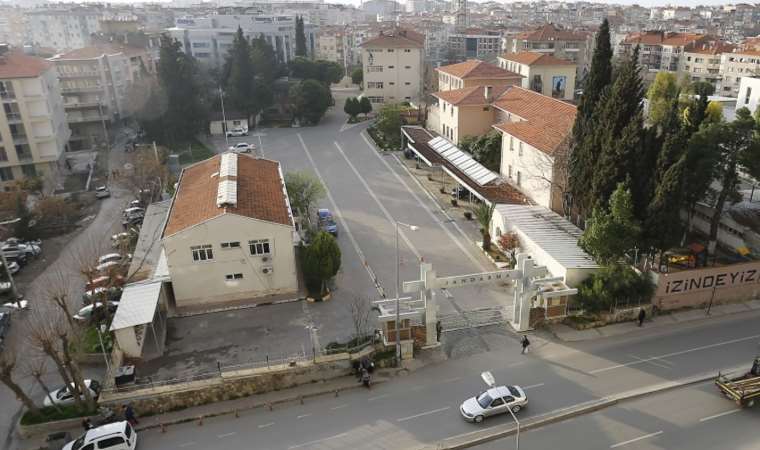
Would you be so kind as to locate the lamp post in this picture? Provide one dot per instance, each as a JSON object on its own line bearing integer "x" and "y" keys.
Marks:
{"x": 224, "y": 118}
{"x": 517, "y": 435}
{"x": 398, "y": 306}
{"x": 102, "y": 329}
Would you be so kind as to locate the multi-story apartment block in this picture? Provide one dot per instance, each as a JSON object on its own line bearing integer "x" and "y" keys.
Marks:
{"x": 13, "y": 26}
{"x": 332, "y": 45}
{"x": 94, "y": 83}
{"x": 33, "y": 130}
{"x": 209, "y": 39}
{"x": 63, "y": 29}
{"x": 542, "y": 73}
{"x": 736, "y": 65}
{"x": 658, "y": 50}
{"x": 392, "y": 64}
{"x": 573, "y": 46}
{"x": 473, "y": 43}
{"x": 701, "y": 61}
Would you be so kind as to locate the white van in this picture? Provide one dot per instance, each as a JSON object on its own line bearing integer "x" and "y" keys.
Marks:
{"x": 112, "y": 436}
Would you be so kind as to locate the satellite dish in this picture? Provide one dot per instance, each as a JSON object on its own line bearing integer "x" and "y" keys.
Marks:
{"x": 488, "y": 378}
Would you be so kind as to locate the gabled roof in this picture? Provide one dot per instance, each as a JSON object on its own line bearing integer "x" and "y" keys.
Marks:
{"x": 260, "y": 194}
{"x": 536, "y": 59}
{"x": 18, "y": 65}
{"x": 662, "y": 38}
{"x": 475, "y": 68}
{"x": 715, "y": 47}
{"x": 470, "y": 96}
{"x": 396, "y": 39}
{"x": 550, "y": 32}
{"x": 546, "y": 121}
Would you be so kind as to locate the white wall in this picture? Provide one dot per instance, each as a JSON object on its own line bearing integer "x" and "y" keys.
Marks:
{"x": 534, "y": 167}
{"x": 749, "y": 94}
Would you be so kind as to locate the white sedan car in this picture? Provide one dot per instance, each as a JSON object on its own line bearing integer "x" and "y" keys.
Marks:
{"x": 65, "y": 396}
{"x": 242, "y": 147}
{"x": 497, "y": 400}
{"x": 237, "y": 132}
{"x": 86, "y": 312}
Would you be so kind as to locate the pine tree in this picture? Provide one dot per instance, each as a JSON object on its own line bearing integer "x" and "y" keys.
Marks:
{"x": 300, "y": 37}
{"x": 240, "y": 83}
{"x": 585, "y": 152}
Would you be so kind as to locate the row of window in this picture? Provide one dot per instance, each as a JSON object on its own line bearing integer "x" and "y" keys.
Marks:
{"x": 519, "y": 175}
{"x": 256, "y": 247}
{"x": 512, "y": 146}
{"x": 389, "y": 50}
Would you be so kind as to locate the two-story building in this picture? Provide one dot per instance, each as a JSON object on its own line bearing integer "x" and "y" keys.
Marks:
{"x": 570, "y": 45}
{"x": 229, "y": 236}
{"x": 542, "y": 73}
{"x": 393, "y": 66}
{"x": 474, "y": 72}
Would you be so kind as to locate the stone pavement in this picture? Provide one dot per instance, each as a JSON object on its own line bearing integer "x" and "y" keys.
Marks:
{"x": 569, "y": 334}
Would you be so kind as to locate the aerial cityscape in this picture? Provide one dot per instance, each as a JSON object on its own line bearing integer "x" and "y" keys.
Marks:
{"x": 379, "y": 224}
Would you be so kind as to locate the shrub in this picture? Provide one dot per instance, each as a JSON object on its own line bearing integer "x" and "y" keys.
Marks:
{"x": 51, "y": 413}
{"x": 613, "y": 286}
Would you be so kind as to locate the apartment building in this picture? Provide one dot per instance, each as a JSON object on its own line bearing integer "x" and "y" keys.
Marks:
{"x": 63, "y": 29}
{"x": 13, "y": 26}
{"x": 392, "y": 64}
{"x": 94, "y": 82}
{"x": 658, "y": 50}
{"x": 574, "y": 46}
{"x": 33, "y": 130}
{"x": 209, "y": 39}
{"x": 701, "y": 61}
{"x": 473, "y": 43}
{"x": 542, "y": 73}
{"x": 736, "y": 65}
{"x": 332, "y": 45}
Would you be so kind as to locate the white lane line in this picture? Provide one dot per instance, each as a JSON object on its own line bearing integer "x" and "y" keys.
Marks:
{"x": 303, "y": 416}
{"x": 382, "y": 207}
{"x": 339, "y": 406}
{"x": 426, "y": 207}
{"x": 724, "y": 413}
{"x": 265, "y": 425}
{"x": 318, "y": 441}
{"x": 187, "y": 444}
{"x": 426, "y": 413}
{"x": 646, "y": 436}
{"x": 372, "y": 399}
{"x": 338, "y": 213}
{"x": 533, "y": 386}
{"x": 661, "y": 364}
{"x": 451, "y": 380}
{"x": 682, "y": 352}
{"x": 232, "y": 433}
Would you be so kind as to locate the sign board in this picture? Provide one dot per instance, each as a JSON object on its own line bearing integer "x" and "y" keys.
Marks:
{"x": 476, "y": 278}
{"x": 691, "y": 281}
{"x": 413, "y": 286}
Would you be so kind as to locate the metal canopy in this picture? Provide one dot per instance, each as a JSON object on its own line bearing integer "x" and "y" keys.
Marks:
{"x": 462, "y": 161}
{"x": 137, "y": 305}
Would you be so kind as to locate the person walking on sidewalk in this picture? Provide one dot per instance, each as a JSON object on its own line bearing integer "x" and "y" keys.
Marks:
{"x": 129, "y": 415}
{"x": 642, "y": 316}
{"x": 525, "y": 343}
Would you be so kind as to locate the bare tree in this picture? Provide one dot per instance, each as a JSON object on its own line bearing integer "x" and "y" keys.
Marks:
{"x": 361, "y": 314}
{"x": 36, "y": 368}
{"x": 7, "y": 366}
{"x": 57, "y": 290}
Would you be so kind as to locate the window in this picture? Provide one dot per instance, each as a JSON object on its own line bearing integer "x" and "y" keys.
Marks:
{"x": 746, "y": 98}
{"x": 202, "y": 252}
{"x": 3, "y": 154}
{"x": 391, "y": 83}
{"x": 519, "y": 178}
{"x": 497, "y": 402}
{"x": 259, "y": 247}
{"x": 407, "y": 50}
{"x": 391, "y": 67}
{"x": 234, "y": 244}
{"x": 511, "y": 144}
{"x": 29, "y": 170}
{"x": 519, "y": 149}
{"x": 374, "y": 85}
{"x": 407, "y": 67}
{"x": 510, "y": 171}
{"x": 111, "y": 442}
{"x": 407, "y": 83}
{"x": 233, "y": 276}
{"x": 374, "y": 68}
{"x": 390, "y": 50}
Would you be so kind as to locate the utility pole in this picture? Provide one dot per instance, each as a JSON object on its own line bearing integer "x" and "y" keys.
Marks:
{"x": 224, "y": 118}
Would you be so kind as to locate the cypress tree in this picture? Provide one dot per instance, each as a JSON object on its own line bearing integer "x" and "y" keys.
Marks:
{"x": 240, "y": 82}
{"x": 300, "y": 37}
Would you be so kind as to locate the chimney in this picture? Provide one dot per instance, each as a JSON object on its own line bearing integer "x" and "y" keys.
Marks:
{"x": 487, "y": 90}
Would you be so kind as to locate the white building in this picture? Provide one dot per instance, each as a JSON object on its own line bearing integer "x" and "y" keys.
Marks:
{"x": 735, "y": 66}
{"x": 229, "y": 237}
{"x": 392, "y": 64}
{"x": 749, "y": 94}
{"x": 33, "y": 130}
{"x": 63, "y": 29}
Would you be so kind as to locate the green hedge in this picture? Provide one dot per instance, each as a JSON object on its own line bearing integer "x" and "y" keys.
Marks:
{"x": 51, "y": 414}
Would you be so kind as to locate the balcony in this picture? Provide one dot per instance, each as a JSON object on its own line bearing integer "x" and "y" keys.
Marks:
{"x": 13, "y": 117}
{"x": 8, "y": 96}
{"x": 81, "y": 104}
{"x": 81, "y": 118}
{"x": 82, "y": 89}
{"x": 20, "y": 139}
{"x": 82, "y": 74}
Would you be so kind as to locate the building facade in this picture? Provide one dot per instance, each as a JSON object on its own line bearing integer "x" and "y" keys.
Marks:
{"x": 63, "y": 29}
{"x": 574, "y": 46}
{"x": 702, "y": 62}
{"x": 332, "y": 45}
{"x": 736, "y": 65}
{"x": 392, "y": 65}
{"x": 477, "y": 43}
{"x": 542, "y": 73}
{"x": 33, "y": 130}
{"x": 749, "y": 94}
{"x": 473, "y": 73}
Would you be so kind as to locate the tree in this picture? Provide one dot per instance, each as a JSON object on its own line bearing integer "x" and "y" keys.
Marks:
{"x": 7, "y": 367}
{"x": 36, "y": 369}
{"x": 483, "y": 214}
{"x": 713, "y": 113}
{"x": 366, "y": 106}
{"x": 264, "y": 60}
{"x": 300, "y": 37}
{"x": 612, "y": 286}
{"x": 660, "y": 96}
{"x": 510, "y": 243}
{"x": 612, "y": 231}
{"x": 389, "y": 123}
{"x": 304, "y": 190}
{"x": 361, "y": 313}
{"x": 352, "y": 107}
{"x": 21, "y": 229}
{"x": 240, "y": 83}
{"x": 326, "y": 72}
{"x": 485, "y": 149}
{"x": 701, "y": 160}
{"x": 357, "y": 76}
{"x": 320, "y": 263}
{"x": 310, "y": 100}
{"x": 585, "y": 150}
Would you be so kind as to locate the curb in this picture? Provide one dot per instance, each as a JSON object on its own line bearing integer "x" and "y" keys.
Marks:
{"x": 471, "y": 439}
{"x": 291, "y": 398}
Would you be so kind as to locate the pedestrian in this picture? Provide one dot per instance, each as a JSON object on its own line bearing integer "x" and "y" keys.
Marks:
{"x": 86, "y": 424}
{"x": 642, "y": 316}
{"x": 438, "y": 330}
{"x": 525, "y": 343}
{"x": 129, "y": 415}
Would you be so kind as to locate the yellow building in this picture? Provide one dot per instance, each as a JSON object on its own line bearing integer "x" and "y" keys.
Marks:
{"x": 474, "y": 72}
{"x": 392, "y": 64}
{"x": 542, "y": 73}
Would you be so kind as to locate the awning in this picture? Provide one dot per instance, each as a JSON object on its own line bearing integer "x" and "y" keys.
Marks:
{"x": 137, "y": 305}
{"x": 462, "y": 161}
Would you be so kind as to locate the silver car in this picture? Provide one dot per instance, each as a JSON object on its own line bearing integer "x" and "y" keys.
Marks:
{"x": 497, "y": 400}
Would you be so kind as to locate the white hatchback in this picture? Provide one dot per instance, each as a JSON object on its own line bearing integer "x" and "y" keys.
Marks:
{"x": 112, "y": 436}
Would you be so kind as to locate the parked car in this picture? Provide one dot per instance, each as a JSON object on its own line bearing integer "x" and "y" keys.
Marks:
{"x": 133, "y": 211}
{"x": 5, "y": 324}
{"x": 5, "y": 286}
{"x": 65, "y": 395}
{"x": 496, "y": 400}
{"x": 105, "y": 281}
{"x": 112, "y": 436}
{"x": 119, "y": 238}
{"x": 118, "y": 257}
{"x": 108, "y": 267}
{"x": 86, "y": 312}
{"x": 326, "y": 221}
{"x": 114, "y": 294}
{"x": 17, "y": 305}
{"x": 102, "y": 192}
{"x": 13, "y": 247}
{"x": 13, "y": 266}
{"x": 135, "y": 204}
{"x": 237, "y": 132}
{"x": 242, "y": 147}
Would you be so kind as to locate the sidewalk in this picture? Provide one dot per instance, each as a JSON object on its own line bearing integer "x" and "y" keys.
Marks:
{"x": 568, "y": 334}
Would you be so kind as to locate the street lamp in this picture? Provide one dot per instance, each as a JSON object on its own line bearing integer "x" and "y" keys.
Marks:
{"x": 398, "y": 307}
{"x": 102, "y": 329}
{"x": 224, "y": 118}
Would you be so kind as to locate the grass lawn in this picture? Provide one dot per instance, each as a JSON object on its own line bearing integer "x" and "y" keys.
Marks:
{"x": 192, "y": 152}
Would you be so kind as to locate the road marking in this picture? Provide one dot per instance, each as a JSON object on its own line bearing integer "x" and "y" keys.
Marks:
{"x": 232, "y": 433}
{"x": 724, "y": 413}
{"x": 265, "y": 425}
{"x": 533, "y": 386}
{"x": 383, "y": 209}
{"x": 187, "y": 444}
{"x": 306, "y": 444}
{"x": 660, "y": 365}
{"x": 451, "y": 380}
{"x": 426, "y": 413}
{"x": 303, "y": 415}
{"x": 339, "y": 406}
{"x": 646, "y": 436}
{"x": 372, "y": 399}
{"x": 682, "y": 352}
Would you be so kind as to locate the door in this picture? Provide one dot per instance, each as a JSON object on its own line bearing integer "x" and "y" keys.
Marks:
{"x": 498, "y": 406}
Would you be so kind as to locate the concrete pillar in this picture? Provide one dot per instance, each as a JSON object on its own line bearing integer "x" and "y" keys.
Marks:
{"x": 427, "y": 274}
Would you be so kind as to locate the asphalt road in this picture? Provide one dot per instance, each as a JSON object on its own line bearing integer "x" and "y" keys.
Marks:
{"x": 694, "y": 418}
{"x": 422, "y": 407}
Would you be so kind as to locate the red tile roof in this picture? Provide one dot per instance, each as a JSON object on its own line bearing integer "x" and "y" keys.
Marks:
{"x": 470, "y": 96}
{"x": 550, "y": 32}
{"x": 710, "y": 47}
{"x": 18, "y": 65}
{"x": 546, "y": 121}
{"x": 260, "y": 194}
{"x": 536, "y": 59}
{"x": 662, "y": 38}
{"x": 475, "y": 68}
{"x": 400, "y": 38}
